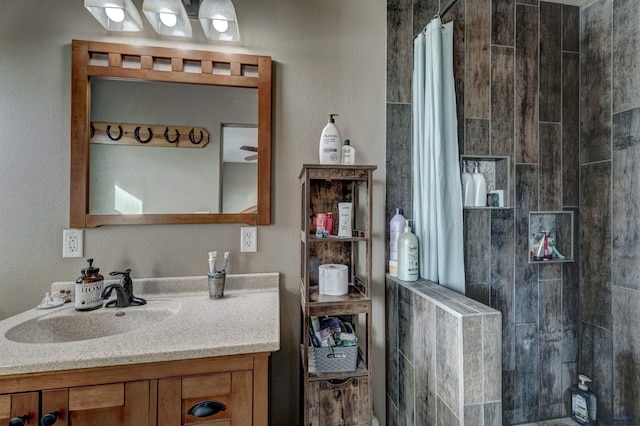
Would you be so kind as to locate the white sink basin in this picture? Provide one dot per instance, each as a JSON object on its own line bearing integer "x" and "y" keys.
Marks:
{"x": 69, "y": 325}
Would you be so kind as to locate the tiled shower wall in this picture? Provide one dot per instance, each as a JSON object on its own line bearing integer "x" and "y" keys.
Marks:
{"x": 517, "y": 87}
{"x": 610, "y": 206}
{"x": 504, "y": 52}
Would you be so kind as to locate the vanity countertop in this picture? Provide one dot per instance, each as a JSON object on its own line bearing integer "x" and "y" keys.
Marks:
{"x": 245, "y": 320}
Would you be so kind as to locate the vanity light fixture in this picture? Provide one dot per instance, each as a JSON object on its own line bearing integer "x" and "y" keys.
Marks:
{"x": 218, "y": 20}
{"x": 167, "y": 17}
{"x": 115, "y": 15}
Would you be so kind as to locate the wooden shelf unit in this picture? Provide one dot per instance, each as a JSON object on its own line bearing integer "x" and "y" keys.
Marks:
{"x": 323, "y": 187}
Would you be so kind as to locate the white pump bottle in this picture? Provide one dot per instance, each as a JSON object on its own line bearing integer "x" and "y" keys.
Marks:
{"x": 330, "y": 150}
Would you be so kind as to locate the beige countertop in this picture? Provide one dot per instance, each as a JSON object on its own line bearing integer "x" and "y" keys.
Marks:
{"x": 246, "y": 320}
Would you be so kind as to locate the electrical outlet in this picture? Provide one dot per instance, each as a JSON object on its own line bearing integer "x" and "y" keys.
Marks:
{"x": 72, "y": 244}
{"x": 249, "y": 239}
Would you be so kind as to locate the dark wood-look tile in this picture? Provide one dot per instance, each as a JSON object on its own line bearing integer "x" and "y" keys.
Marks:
{"x": 448, "y": 347}
{"x": 478, "y": 60}
{"x": 457, "y": 13}
{"x": 626, "y": 55}
{"x": 477, "y": 253}
{"x": 446, "y": 417}
{"x": 551, "y": 271}
{"x": 526, "y": 82}
{"x": 474, "y": 414}
{"x": 472, "y": 339}
{"x": 528, "y": 2}
{"x": 526, "y": 275}
{"x": 399, "y": 191}
{"x": 550, "y": 62}
{"x": 550, "y": 310}
{"x": 502, "y": 19}
{"x": 550, "y": 167}
{"x": 491, "y": 357}
{"x": 502, "y": 280}
{"x": 479, "y": 292}
{"x": 502, "y": 100}
{"x": 391, "y": 337}
{"x": 423, "y": 12}
{"x": 570, "y": 28}
{"x": 570, "y": 129}
{"x": 510, "y": 402}
{"x": 595, "y": 241}
{"x": 626, "y": 199}
{"x": 392, "y": 413}
{"x": 406, "y": 392}
{"x": 399, "y": 50}
{"x": 571, "y": 299}
{"x": 476, "y": 136}
{"x": 569, "y": 378}
{"x": 626, "y": 352}
{"x": 596, "y": 362}
{"x": 550, "y": 333}
{"x": 425, "y": 361}
{"x": 595, "y": 82}
{"x": 527, "y": 372}
{"x": 493, "y": 413}
{"x": 405, "y": 322}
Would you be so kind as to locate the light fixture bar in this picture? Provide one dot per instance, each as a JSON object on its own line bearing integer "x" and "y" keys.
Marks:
{"x": 167, "y": 17}
{"x": 115, "y": 15}
{"x": 218, "y": 20}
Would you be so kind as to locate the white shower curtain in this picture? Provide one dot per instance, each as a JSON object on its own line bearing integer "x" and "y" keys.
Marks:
{"x": 437, "y": 191}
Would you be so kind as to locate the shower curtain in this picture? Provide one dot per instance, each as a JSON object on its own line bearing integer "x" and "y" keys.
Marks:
{"x": 437, "y": 190}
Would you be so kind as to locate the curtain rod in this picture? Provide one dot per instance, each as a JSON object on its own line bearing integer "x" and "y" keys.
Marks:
{"x": 446, "y": 8}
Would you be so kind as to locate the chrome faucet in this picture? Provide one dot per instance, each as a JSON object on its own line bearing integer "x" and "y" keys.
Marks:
{"x": 124, "y": 292}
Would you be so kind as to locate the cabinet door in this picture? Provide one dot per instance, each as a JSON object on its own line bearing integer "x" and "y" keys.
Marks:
{"x": 116, "y": 404}
{"x": 225, "y": 398}
{"x": 23, "y": 405}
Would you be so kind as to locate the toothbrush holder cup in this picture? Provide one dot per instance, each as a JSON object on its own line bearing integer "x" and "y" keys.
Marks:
{"x": 216, "y": 285}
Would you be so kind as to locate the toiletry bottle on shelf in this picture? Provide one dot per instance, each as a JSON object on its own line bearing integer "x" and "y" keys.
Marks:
{"x": 583, "y": 402}
{"x": 330, "y": 143}
{"x": 408, "y": 255}
{"x": 480, "y": 199}
{"x": 468, "y": 187}
{"x": 348, "y": 153}
{"x": 396, "y": 225}
{"x": 88, "y": 288}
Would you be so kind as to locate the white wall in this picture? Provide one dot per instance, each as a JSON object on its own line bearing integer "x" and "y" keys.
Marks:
{"x": 329, "y": 57}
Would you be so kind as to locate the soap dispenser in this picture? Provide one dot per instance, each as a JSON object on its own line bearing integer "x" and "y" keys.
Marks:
{"x": 348, "y": 153}
{"x": 88, "y": 288}
{"x": 583, "y": 402}
{"x": 330, "y": 149}
{"x": 408, "y": 255}
{"x": 480, "y": 199}
{"x": 468, "y": 187}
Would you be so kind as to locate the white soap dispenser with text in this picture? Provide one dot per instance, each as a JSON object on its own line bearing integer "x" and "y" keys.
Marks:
{"x": 330, "y": 149}
{"x": 480, "y": 199}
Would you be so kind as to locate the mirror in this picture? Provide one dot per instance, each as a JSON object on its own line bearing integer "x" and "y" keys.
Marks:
{"x": 163, "y": 135}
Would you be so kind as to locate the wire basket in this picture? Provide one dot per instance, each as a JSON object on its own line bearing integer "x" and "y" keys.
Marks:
{"x": 336, "y": 359}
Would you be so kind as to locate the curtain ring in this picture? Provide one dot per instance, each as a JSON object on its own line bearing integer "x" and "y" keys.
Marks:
{"x": 109, "y": 133}
{"x": 166, "y": 136}
{"x": 192, "y": 138}
{"x": 136, "y": 133}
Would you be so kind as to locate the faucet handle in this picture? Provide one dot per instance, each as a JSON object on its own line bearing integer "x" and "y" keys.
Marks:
{"x": 125, "y": 273}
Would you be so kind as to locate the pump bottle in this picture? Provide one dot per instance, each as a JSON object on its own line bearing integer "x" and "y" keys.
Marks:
{"x": 468, "y": 187}
{"x": 583, "y": 402}
{"x": 480, "y": 187}
{"x": 348, "y": 153}
{"x": 88, "y": 288}
{"x": 330, "y": 149}
{"x": 408, "y": 255}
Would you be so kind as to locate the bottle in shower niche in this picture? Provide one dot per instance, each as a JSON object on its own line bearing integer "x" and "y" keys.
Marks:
{"x": 330, "y": 149}
{"x": 583, "y": 402}
{"x": 88, "y": 289}
{"x": 348, "y": 153}
{"x": 480, "y": 195}
{"x": 468, "y": 187}
{"x": 408, "y": 255}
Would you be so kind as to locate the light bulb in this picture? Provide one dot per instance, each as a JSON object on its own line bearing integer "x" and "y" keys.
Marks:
{"x": 220, "y": 25}
{"x": 168, "y": 19}
{"x": 115, "y": 14}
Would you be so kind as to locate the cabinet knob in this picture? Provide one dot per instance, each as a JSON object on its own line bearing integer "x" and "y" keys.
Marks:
{"x": 19, "y": 421}
{"x": 49, "y": 418}
{"x": 206, "y": 408}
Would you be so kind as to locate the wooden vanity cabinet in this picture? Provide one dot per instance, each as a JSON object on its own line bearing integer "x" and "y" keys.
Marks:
{"x": 154, "y": 394}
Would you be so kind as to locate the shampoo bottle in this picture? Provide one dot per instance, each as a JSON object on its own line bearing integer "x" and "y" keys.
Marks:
{"x": 468, "y": 187}
{"x": 408, "y": 255}
{"x": 583, "y": 402}
{"x": 396, "y": 225}
{"x": 330, "y": 143}
{"x": 480, "y": 199}
{"x": 89, "y": 288}
{"x": 348, "y": 153}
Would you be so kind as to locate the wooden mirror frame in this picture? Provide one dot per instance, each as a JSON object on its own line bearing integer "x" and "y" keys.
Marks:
{"x": 81, "y": 73}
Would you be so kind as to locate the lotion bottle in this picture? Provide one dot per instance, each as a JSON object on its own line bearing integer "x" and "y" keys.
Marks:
{"x": 408, "y": 255}
{"x": 583, "y": 402}
{"x": 468, "y": 187}
{"x": 480, "y": 199}
{"x": 396, "y": 225}
{"x": 330, "y": 149}
{"x": 348, "y": 153}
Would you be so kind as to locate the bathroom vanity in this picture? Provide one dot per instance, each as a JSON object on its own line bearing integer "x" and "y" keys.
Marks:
{"x": 196, "y": 361}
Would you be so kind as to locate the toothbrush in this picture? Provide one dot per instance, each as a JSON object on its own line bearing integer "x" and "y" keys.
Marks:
{"x": 213, "y": 257}
{"x": 226, "y": 259}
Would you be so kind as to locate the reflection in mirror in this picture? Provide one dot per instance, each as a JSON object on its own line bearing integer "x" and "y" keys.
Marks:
{"x": 166, "y": 179}
{"x": 239, "y": 168}
{"x": 131, "y": 107}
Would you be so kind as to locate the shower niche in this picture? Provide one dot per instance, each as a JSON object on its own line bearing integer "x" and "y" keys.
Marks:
{"x": 551, "y": 237}
{"x": 497, "y": 173}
